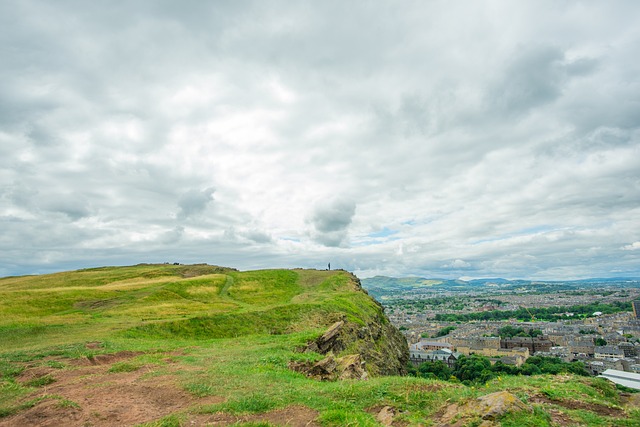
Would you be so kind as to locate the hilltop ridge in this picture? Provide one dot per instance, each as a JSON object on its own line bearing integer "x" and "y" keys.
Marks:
{"x": 172, "y": 345}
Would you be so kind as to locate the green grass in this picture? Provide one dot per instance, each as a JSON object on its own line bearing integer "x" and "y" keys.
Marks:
{"x": 124, "y": 367}
{"x": 170, "y": 421}
{"x": 40, "y": 381}
{"x": 229, "y": 334}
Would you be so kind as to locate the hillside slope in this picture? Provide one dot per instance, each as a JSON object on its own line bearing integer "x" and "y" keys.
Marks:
{"x": 204, "y": 345}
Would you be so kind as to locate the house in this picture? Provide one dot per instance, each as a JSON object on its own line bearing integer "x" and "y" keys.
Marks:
{"x": 608, "y": 352}
{"x": 425, "y": 345}
{"x": 533, "y": 344}
{"x": 444, "y": 355}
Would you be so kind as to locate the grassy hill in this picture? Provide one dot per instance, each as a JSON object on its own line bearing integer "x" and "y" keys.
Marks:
{"x": 168, "y": 345}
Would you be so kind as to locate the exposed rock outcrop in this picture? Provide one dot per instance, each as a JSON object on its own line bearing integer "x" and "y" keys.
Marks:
{"x": 484, "y": 410}
{"x": 386, "y": 415}
{"x": 379, "y": 346}
{"x": 349, "y": 367}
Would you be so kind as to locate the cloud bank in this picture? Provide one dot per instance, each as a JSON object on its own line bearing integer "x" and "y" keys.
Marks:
{"x": 439, "y": 139}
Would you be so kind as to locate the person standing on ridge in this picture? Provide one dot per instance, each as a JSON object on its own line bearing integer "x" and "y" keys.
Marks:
{"x": 329, "y": 266}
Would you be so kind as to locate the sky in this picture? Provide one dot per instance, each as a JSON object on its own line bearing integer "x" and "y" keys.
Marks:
{"x": 433, "y": 138}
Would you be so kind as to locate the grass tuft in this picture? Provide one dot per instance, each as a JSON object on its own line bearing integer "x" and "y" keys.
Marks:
{"x": 124, "y": 367}
{"x": 41, "y": 381}
{"x": 169, "y": 421}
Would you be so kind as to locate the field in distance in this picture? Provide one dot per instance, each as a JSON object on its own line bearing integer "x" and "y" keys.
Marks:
{"x": 174, "y": 345}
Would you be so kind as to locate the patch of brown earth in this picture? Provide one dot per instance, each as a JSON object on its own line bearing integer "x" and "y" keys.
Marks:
{"x": 93, "y": 345}
{"x": 91, "y": 396}
{"x": 632, "y": 400}
{"x": 386, "y": 415}
{"x": 292, "y": 416}
{"x": 31, "y": 374}
{"x": 575, "y": 404}
{"x": 560, "y": 419}
{"x": 483, "y": 411}
{"x": 106, "y": 359}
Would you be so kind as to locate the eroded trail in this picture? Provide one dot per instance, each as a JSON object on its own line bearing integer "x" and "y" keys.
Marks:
{"x": 87, "y": 394}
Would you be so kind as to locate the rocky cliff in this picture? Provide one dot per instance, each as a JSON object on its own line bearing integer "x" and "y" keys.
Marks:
{"x": 372, "y": 341}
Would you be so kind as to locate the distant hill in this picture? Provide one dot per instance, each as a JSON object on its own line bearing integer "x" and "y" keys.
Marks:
{"x": 382, "y": 287}
{"x": 195, "y": 345}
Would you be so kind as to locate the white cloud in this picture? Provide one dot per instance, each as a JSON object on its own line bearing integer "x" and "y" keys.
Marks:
{"x": 500, "y": 138}
{"x": 457, "y": 263}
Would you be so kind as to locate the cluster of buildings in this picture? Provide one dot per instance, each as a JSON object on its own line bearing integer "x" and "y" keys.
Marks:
{"x": 604, "y": 342}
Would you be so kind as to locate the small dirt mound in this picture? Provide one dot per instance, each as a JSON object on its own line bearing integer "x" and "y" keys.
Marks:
{"x": 575, "y": 404}
{"x": 31, "y": 374}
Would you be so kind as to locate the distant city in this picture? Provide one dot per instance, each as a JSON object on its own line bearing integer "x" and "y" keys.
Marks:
{"x": 594, "y": 321}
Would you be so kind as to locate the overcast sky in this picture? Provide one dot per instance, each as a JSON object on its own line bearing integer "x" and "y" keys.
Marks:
{"x": 433, "y": 138}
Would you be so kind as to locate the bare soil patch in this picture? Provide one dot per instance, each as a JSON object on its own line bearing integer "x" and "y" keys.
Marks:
{"x": 631, "y": 399}
{"x": 88, "y": 395}
{"x": 560, "y": 419}
{"x": 34, "y": 373}
{"x": 574, "y": 404}
{"x": 93, "y": 345}
{"x": 292, "y": 416}
{"x": 106, "y": 359}
{"x": 379, "y": 411}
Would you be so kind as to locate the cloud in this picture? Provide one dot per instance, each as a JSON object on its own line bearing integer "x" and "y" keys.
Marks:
{"x": 632, "y": 247}
{"x": 193, "y": 202}
{"x": 331, "y": 221}
{"x": 457, "y": 263}
{"x": 502, "y": 135}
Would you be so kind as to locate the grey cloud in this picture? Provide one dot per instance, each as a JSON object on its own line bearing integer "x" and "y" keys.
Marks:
{"x": 194, "y": 202}
{"x": 258, "y": 236}
{"x": 582, "y": 66}
{"x": 43, "y": 199}
{"x": 515, "y": 150}
{"x": 533, "y": 78}
{"x": 172, "y": 236}
{"x": 331, "y": 221}
{"x": 240, "y": 234}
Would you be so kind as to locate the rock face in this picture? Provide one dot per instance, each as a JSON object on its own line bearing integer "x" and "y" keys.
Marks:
{"x": 349, "y": 367}
{"x": 373, "y": 347}
{"x": 380, "y": 344}
{"x": 485, "y": 409}
{"x": 352, "y": 367}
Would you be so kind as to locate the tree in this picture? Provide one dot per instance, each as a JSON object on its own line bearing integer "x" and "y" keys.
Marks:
{"x": 600, "y": 341}
{"x": 437, "y": 369}
{"x": 444, "y": 331}
{"x": 530, "y": 369}
{"x": 470, "y": 369}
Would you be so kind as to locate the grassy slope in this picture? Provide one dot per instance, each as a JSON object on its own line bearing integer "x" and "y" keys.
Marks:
{"x": 236, "y": 333}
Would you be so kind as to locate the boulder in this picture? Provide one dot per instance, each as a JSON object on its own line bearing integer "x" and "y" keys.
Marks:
{"x": 499, "y": 403}
{"x": 323, "y": 370}
{"x": 485, "y": 410}
{"x": 329, "y": 341}
{"x": 385, "y": 416}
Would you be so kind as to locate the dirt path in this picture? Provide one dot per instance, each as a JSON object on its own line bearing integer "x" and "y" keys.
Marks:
{"x": 88, "y": 395}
